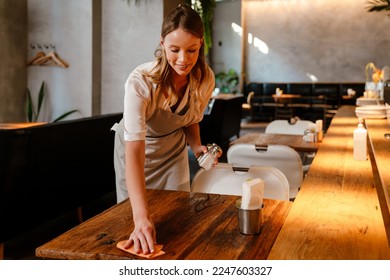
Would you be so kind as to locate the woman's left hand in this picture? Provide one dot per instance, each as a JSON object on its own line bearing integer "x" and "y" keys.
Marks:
{"x": 200, "y": 150}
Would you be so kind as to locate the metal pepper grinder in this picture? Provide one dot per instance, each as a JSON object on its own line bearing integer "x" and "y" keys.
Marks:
{"x": 207, "y": 160}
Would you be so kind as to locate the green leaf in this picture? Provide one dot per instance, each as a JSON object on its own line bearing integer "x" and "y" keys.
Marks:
{"x": 29, "y": 106}
{"x": 63, "y": 116}
{"x": 232, "y": 73}
{"x": 227, "y": 81}
{"x": 41, "y": 96}
{"x": 205, "y": 9}
{"x": 220, "y": 76}
{"x": 225, "y": 89}
{"x": 32, "y": 115}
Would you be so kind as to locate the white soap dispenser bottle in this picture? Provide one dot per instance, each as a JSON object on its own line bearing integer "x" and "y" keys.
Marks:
{"x": 360, "y": 142}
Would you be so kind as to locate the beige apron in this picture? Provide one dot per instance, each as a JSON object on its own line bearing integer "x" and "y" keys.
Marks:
{"x": 166, "y": 155}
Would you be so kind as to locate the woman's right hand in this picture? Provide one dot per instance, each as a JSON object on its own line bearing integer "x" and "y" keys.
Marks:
{"x": 143, "y": 237}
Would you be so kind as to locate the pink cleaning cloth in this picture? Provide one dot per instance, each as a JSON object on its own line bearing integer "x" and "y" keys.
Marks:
{"x": 157, "y": 250}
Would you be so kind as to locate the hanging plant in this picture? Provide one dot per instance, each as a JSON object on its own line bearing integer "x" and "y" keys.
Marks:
{"x": 205, "y": 9}
{"x": 378, "y": 5}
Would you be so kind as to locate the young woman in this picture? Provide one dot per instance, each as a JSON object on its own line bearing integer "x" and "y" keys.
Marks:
{"x": 164, "y": 102}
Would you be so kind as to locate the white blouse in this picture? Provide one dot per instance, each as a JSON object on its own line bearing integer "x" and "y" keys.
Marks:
{"x": 141, "y": 100}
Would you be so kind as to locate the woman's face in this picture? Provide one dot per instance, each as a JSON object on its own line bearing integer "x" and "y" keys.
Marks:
{"x": 182, "y": 50}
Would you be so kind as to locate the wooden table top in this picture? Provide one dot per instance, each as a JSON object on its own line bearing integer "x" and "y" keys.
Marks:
{"x": 336, "y": 214}
{"x": 227, "y": 96}
{"x": 264, "y": 139}
{"x": 286, "y": 95}
{"x": 19, "y": 125}
{"x": 189, "y": 225}
{"x": 379, "y": 136}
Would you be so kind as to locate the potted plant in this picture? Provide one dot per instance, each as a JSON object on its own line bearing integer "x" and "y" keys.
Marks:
{"x": 227, "y": 81}
{"x": 33, "y": 113}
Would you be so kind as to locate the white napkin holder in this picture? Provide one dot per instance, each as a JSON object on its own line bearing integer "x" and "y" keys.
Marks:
{"x": 252, "y": 194}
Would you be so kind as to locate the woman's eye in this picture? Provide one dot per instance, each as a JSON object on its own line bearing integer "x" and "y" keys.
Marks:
{"x": 176, "y": 51}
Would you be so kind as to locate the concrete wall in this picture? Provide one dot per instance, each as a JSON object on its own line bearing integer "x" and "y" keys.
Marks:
{"x": 226, "y": 49}
{"x": 129, "y": 36}
{"x": 64, "y": 27}
{"x": 13, "y": 72}
{"x": 330, "y": 39}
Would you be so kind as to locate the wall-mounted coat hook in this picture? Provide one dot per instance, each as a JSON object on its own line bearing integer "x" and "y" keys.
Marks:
{"x": 46, "y": 59}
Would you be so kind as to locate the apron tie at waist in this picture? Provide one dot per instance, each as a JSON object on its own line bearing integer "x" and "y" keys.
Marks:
{"x": 114, "y": 127}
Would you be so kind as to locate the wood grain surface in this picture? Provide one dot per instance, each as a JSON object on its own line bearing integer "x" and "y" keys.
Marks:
{"x": 189, "y": 225}
{"x": 336, "y": 214}
{"x": 379, "y": 148}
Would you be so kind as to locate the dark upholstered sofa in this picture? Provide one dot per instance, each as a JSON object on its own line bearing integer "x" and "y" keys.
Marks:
{"x": 49, "y": 170}
{"x": 315, "y": 98}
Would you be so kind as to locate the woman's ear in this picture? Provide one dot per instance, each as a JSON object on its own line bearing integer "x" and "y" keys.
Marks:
{"x": 161, "y": 42}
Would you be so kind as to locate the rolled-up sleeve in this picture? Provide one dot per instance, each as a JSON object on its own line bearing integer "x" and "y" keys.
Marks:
{"x": 137, "y": 96}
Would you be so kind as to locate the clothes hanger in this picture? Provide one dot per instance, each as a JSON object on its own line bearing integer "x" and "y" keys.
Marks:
{"x": 38, "y": 55}
{"x": 41, "y": 60}
{"x": 57, "y": 60}
{"x": 50, "y": 59}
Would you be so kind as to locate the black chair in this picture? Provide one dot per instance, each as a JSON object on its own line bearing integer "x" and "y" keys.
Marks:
{"x": 303, "y": 104}
{"x": 330, "y": 94}
{"x": 359, "y": 88}
{"x": 223, "y": 121}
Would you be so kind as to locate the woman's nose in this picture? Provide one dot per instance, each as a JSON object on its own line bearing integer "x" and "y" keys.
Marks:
{"x": 182, "y": 56}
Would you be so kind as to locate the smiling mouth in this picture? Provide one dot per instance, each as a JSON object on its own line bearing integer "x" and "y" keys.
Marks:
{"x": 183, "y": 67}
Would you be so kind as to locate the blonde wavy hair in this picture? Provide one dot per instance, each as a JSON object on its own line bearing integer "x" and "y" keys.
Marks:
{"x": 186, "y": 18}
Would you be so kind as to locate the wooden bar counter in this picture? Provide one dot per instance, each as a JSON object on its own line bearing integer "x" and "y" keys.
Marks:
{"x": 336, "y": 214}
{"x": 379, "y": 150}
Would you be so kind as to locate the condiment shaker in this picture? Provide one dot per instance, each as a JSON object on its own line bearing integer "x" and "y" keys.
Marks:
{"x": 207, "y": 160}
